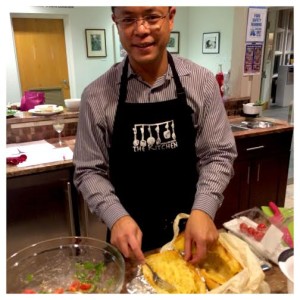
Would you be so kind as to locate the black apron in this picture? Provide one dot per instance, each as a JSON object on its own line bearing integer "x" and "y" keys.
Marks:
{"x": 153, "y": 161}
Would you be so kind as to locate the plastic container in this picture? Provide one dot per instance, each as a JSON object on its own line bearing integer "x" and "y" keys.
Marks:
{"x": 254, "y": 227}
{"x": 54, "y": 266}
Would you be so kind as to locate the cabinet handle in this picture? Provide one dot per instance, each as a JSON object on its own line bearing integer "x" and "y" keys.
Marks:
{"x": 255, "y": 148}
{"x": 248, "y": 175}
{"x": 258, "y": 172}
{"x": 70, "y": 204}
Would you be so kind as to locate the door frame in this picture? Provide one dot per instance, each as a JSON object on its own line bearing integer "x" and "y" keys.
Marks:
{"x": 68, "y": 40}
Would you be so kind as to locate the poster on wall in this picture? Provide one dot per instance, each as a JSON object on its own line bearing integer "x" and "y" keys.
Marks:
{"x": 256, "y": 25}
{"x": 253, "y": 58}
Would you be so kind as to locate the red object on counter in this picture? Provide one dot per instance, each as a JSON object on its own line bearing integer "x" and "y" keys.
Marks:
{"x": 15, "y": 160}
{"x": 220, "y": 80}
{"x": 277, "y": 220}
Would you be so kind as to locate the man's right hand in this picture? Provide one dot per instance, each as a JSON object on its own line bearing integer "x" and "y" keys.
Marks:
{"x": 126, "y": 235}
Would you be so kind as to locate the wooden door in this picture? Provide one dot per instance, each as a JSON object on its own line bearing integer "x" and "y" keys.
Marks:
{"x": 42, "y": 59}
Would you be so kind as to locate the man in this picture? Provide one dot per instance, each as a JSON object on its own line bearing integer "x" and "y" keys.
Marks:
{"x": 153, "y": 140}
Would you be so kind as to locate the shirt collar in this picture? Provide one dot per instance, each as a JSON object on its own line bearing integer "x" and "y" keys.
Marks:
{"x": 179, "y": 65}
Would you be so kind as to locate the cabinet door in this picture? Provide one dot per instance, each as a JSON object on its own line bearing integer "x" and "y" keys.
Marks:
{"x": 236, "y": 195}
{"x": 268, "y": 180}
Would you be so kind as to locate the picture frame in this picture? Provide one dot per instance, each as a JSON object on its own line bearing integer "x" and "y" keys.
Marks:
{"x": 119, "y": 51}
{"x": 173, "y": 44}
{"x": 95, "y": 42}
{"x": 211, "y": 42}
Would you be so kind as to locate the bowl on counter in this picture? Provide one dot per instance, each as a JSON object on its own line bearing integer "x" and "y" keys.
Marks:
{"x": 72, "y": 104}
{"x": 66, "y": 265}
{"x": 252, "y": 109}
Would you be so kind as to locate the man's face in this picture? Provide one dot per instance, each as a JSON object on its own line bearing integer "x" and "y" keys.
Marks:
{"x": 145, "y": 42}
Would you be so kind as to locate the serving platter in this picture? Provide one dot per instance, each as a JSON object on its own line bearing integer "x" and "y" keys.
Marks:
{"x": 36, "y": 112}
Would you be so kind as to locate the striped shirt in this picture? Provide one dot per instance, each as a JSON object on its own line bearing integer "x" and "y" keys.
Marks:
{"x": 215, "y": 145}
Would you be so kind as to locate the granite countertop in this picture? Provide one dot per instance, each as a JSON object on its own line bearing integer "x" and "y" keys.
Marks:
{"x": 274, "y": 277}
{"x": 25, "y": 116}
{"x": 278, "y": 126}
{"x": 14, "y": 171}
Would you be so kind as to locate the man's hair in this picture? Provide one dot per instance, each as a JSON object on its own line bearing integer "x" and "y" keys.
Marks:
{"x": 113, "y": 8}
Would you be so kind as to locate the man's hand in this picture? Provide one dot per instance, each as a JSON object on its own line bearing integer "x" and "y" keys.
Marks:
{"x": 200, "y": 234}
{"x": 127, "y": 237}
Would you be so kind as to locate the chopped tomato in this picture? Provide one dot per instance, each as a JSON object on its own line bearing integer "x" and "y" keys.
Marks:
{"x": 251, "y": 231}
{"x": 59, "y": 291}
{"x": 29, "y": 291}
{"x": 261, "y": 227}
{"x": 258, "y": 235}
{"x": 243, "y": 227}
{"x": 85, "y": 286}
{"x": 75, "y": 285}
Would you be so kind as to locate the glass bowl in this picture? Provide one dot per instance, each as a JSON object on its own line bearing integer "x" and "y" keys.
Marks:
{"x": 66, "y": 265}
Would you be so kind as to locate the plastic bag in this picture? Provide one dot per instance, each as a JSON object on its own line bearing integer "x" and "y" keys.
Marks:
{"x": 31, "y": 99}
{"x": 249, "y": 280}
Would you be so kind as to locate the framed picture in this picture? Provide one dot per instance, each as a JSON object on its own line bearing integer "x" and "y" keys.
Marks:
{"x": 95, "y": 42}
{"x": 119, "y": 51}
{"x": 173, "y": 45}
{"x": 211, "y": 42}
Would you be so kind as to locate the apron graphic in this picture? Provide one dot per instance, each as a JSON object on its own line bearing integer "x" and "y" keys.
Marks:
{"x": 153, "y": 161}
{"x": 154, "y": 137}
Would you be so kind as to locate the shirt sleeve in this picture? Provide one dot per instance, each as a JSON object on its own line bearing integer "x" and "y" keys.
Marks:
{"x": 215, "y": 149}
{"x": 91, "y": 176}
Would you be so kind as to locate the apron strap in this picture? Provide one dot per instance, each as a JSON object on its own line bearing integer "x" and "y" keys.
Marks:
{"x": 179, "y": 88}
{"x": 124, "y": 79}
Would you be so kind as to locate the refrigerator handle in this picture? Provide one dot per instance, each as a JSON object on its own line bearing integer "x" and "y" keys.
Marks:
{"x": 70, "y": 205}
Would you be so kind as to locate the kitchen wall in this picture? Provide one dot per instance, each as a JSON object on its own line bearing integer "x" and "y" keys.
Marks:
{"x": 191, "y": 22}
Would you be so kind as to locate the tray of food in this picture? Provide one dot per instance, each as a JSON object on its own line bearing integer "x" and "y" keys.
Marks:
{"x": 229, "y": 267}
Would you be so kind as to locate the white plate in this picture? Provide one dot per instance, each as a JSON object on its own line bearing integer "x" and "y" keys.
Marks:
{"x": 46, "y": 113}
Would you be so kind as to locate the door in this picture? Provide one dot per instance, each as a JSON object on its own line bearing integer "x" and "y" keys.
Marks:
{"x": 42, "y": 59}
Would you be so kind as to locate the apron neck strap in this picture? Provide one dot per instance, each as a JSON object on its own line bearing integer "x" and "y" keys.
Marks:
{"x": 124, "y": 80}
{"x": 179, "y": 88}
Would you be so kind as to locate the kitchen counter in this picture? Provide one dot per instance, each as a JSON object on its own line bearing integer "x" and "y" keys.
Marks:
{"x": 278, "y": 126}
{"x": 274, "y": 277}
{"x": 25, "y": 116}
{"x": 11, "y": 171}
{"x": 15, "y": 171}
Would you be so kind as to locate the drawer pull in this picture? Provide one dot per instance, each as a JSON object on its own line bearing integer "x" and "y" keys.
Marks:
{"x": 248, "y": 175}
{"x": 255, "y": 148}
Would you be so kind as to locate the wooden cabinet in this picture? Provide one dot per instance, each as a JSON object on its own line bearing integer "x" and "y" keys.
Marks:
{"x": 261, "y": 173}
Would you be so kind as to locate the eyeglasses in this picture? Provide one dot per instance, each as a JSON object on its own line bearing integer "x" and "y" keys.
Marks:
{"x": 149, "y": 21}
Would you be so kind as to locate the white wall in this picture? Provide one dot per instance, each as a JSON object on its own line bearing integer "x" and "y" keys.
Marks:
{"x": 211, "y": 19}
{"x": 191, "y": 22}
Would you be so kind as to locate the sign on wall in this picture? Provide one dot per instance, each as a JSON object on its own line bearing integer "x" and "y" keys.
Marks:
{"x": 253, "y": 58}
{"x": 256, "y": 24}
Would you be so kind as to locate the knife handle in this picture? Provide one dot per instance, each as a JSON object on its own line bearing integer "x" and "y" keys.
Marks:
{"x": 275, "y": 209}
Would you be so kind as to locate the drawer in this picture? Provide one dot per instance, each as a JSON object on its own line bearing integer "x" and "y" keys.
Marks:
{"x": 256, "y": 146}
